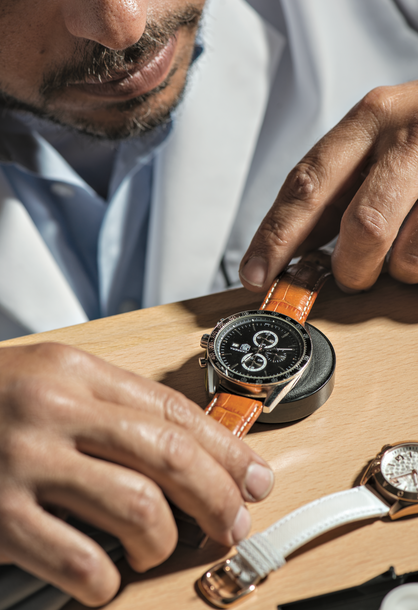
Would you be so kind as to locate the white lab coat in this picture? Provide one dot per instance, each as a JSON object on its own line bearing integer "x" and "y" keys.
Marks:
{"x": 256, "y": 102}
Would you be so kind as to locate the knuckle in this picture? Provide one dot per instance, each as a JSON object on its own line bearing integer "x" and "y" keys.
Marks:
{"x": 367, "y": 224}
{"x": 82, "y": 566}
{"x": 142, "y": 506}
{"x": 51, "y": 352}
{"x": 178, "y": 449}
{"x": 378, "y": 103}
{"x": 303, "y": 184}
{"x": 177, "y": 409}
{"x": 60, "y": 356}
{"x": 380, "y": 106}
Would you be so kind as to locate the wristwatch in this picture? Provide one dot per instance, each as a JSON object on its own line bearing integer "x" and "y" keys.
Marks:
{"x": 388, "y": 488}
{"x": 254, "y": 358}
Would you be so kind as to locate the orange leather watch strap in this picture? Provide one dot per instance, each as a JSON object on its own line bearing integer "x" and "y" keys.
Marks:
{"x": 236, "y": 413}
{"x": 294, "y": 292}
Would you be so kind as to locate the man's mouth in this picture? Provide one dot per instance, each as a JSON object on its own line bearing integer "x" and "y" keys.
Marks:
{"x": 135, "y": 81}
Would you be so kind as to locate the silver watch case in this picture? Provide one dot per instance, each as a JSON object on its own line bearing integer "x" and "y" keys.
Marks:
{"x": 218, "y": 378}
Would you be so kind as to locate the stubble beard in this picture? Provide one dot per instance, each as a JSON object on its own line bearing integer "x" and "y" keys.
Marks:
{"x": 136, "y": 116}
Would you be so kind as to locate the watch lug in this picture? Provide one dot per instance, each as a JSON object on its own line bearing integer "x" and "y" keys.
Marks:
{"x": 276, "y": 395}
{"x": 384, "y": 449}
{"x": 399, "y": 510}
{"x": 212, "y": 380}
{"x": 371, "y": 470}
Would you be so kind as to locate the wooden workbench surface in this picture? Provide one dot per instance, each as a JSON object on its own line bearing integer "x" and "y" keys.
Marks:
{"x": 375, "y": 336}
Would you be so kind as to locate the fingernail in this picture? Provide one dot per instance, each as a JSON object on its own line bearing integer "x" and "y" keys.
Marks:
{"x": 255, "y": 271}
{"x": 259, "y": 481}
{"x": 242, "y": 525}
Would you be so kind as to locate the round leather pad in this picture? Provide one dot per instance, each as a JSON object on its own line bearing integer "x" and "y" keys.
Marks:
{"x": 314, "y": 387}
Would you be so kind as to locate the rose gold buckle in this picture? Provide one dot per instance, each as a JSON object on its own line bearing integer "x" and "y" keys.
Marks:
{"x": 228, "y": 582}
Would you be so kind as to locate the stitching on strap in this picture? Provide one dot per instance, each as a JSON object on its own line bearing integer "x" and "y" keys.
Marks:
{"x": 262, "y": 556}
{"x": 267, "y": 299}
{"x": 212, "y": 404}
{"x": 317, "y": 283}
{"x": 248, "y": 420}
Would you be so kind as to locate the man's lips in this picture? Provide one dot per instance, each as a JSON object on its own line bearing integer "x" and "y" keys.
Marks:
{"x": 134, "y": 82}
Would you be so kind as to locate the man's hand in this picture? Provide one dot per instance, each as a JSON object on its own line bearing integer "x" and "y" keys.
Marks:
{"x": 80, "y": 435}
{"x": 361, "y": 181}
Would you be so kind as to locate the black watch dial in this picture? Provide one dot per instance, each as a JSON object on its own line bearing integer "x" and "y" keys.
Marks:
{"x": 259, "y": 347}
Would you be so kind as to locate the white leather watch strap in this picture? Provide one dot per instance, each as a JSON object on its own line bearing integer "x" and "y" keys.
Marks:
{"x": 267, "y": 551}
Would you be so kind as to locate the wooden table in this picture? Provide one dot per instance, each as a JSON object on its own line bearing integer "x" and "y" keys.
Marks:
{"x": 374, "y": 402}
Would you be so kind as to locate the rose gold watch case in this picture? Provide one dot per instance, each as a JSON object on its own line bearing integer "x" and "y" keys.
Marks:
{"x": 403, "y": 503}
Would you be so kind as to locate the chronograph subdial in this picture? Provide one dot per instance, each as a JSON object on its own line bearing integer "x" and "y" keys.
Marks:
{"x": 259, "y": 347}
{"x": 254, "y": 362}
{"x": 265, "y": 338}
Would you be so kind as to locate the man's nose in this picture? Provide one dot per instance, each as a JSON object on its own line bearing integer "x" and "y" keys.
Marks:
{"x": 115, "y": 24}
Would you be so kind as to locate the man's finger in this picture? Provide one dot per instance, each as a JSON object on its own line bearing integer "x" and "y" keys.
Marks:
{"x": 383, "y": 121}
{"x": 85, "y": 414}
{"x": 55, "y": 552}
{"x": 194, "y": 480}
{"x": 403, "y": 261}
{"x": 372, "y": 220}
{"x": 117, "y": 500}
{"x": 320, "y": 179}
{"x": 107, "y": 383}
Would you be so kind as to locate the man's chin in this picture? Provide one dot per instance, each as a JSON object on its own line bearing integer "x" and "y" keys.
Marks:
{"x": 118, "y": 121}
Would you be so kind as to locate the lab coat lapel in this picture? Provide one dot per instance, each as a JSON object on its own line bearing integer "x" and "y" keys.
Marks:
{"x": 200, "y": 175}
{"x": 33, "y": 290}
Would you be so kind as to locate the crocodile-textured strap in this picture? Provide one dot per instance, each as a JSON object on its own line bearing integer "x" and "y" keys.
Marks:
{"x": 236, "y": 413}
{"x": 294, "y": 292}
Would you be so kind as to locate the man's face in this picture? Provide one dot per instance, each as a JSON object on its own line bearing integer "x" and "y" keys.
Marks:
{"x": 110, "y": 68}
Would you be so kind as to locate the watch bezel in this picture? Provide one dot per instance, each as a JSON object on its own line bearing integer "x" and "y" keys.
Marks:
{"x": 280, "y": 379}
{"x": 383, "y": 485}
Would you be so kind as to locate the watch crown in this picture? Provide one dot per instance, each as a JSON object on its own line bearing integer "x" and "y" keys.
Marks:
{"x": 203, "y": 363}
{"x": 204, "y": 341}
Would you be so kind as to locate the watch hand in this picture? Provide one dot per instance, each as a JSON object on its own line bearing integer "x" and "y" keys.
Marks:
{"x": 400, "y": 476}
